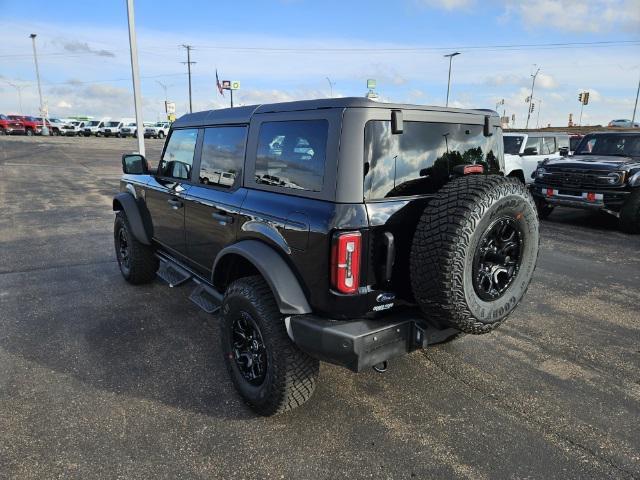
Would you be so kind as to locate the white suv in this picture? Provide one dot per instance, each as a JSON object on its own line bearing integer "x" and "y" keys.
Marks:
{"x": 523, "y": 152}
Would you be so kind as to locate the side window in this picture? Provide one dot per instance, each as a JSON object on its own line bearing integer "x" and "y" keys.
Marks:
{"x": 222, "y": 156}
{"x": 178, "y": 155}
{"x": 292, "y": 154}
{"x": 533, "y": 146}
{"x": 548, "y": 145}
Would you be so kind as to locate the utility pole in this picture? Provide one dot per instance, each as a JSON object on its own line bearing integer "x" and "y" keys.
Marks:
{"x": 330, "y": 87}
{"x": 189, "y": 63}
{"x": 19, "y": 89}
{"x": 135, "y": 73}
{"x": 164, "y": 87}
{"x": 533, "y": 84}
{"x": 45, "y": 115}
{"x": 635, "y": 107}
{"x": 539, "y": 108}
{"x": 450, "y": 55}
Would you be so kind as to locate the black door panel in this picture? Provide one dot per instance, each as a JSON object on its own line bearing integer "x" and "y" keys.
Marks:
{"x": 211, "y": 221}
{"x": 166, "y": 203}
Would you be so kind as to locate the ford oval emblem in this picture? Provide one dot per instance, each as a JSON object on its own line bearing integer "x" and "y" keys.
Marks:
{"x": 385, "y": 297}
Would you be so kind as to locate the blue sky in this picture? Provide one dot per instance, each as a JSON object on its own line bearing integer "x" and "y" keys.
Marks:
{"x": 284, "y": 50}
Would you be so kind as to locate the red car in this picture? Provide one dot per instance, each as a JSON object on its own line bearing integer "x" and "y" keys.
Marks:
{"x": 31, "y": 125}
{"x": 11, "y": 127}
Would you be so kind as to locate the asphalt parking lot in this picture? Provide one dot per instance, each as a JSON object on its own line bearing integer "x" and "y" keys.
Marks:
{"x": 99, "y": 379}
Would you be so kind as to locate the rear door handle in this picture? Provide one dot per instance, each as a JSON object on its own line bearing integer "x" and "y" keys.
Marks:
{"x": 174, "y": 203}
{"x": 222, "y": 218}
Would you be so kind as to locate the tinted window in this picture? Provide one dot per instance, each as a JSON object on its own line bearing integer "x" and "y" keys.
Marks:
{"x": 292, "y": 154}
{"x": 420, "y": 160}
{"x": 3, "y": 117}
{"x": 548, "y": 145}
{"x": 512, "y": 145}
{"x": 533, "y": 146}
{"x": 609, "y": 145}
{"x": 222, "y": 155}
{"x": 178, "y": 156}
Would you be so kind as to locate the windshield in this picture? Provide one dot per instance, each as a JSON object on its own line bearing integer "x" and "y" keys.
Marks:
{"x": 610, "y": 144}
{"x": 113, "y": 124}
{"x": 3, "y": 117}
{"x": 512, "y": 144}
{"x": 93, "y": 123}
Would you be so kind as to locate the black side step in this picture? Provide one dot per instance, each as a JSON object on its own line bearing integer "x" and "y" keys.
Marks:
{"x": 206, "y": 298}
{"x": 172, "y": 273}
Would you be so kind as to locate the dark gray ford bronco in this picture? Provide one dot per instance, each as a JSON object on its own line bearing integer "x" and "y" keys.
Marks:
{"x": 341, "y": 230}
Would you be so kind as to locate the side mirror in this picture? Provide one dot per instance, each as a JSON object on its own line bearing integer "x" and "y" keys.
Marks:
{"x": 134, "y": 164}
{"x": 563, "y": 151}
{"x": 530, "y": 151}
{"x": 397, "y": 125}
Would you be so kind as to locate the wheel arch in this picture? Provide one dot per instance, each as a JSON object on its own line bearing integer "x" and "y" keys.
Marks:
{"x": 126, "y": 203}
{"x": 250, "y": 257}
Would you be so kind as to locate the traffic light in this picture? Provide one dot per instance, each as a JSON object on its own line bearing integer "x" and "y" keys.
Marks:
{"x": 580, "y": 97}
{"x": 533, "y": 105}
{"x": 586, "y": 98}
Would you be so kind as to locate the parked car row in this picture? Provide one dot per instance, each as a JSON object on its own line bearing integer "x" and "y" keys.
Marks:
{"x": 596, "y": 171}
{"x": 106, "y": 127}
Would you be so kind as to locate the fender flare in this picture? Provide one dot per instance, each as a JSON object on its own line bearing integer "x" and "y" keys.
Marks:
{"x": 285, "y": 286}
{"x": 126, "y": 202}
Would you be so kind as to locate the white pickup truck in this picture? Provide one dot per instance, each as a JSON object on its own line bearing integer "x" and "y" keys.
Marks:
{"x": 130, "y": 129}
{"x": 159, "y": 130}
{"x": 523, "y": 152}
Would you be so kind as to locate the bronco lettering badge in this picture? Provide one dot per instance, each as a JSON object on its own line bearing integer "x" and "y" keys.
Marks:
{"x": 385, "y": 297}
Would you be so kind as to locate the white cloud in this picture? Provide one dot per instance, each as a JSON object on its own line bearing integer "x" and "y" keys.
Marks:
{"x": 447, "y": 4}
{"x": 566, "y": 15}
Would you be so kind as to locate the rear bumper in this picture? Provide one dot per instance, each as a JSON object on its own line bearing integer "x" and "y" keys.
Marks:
{"x": 585, "y": 198}
{"x": 359, "y": 344}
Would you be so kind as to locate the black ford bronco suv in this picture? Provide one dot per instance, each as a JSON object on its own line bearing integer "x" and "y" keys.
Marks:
{"x": 342, "y": 230}
{"x": 603, "y": 174}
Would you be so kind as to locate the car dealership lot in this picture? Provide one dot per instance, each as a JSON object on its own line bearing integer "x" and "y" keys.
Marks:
{"x": 99, "y": 379}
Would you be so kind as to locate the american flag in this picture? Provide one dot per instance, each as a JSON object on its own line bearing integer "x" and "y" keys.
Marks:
{"x": 218, "y": 84}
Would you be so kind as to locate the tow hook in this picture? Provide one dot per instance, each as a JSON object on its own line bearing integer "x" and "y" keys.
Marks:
{"x": 381, "y": 367}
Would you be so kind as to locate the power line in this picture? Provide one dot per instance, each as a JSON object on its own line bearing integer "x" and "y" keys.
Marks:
{"x": 612, "y": 43}
{"x": 189, "y": 63}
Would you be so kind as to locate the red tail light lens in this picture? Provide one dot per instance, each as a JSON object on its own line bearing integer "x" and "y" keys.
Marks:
{"x": 345, "y": 262}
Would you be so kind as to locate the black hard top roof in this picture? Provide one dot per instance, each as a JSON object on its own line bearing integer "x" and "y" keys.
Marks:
{"x": 244, "y": 114}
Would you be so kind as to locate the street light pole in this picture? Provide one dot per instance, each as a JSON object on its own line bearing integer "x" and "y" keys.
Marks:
{"x": 135, "y": 74}
{"x": 539, "y": 108}
{"x": 635, "y": 106}
{"x": 45, "y": 129}
{"x": 533, "y": 83}
{"x": 450, "y": 55}
{"x": 19, "y": 89}
{"x": 330, "y": 87}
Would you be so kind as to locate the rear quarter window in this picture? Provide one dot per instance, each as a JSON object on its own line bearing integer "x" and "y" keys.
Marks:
{"x": 292, "y": 154}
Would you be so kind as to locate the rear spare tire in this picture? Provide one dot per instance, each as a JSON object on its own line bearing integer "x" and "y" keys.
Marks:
{"x": 474, "y": 252}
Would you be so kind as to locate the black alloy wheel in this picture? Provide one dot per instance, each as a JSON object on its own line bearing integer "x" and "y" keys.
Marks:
{"x": 497, "y": 258}
{"x": 123, "y": 250}
{"x": 249, "y": 351}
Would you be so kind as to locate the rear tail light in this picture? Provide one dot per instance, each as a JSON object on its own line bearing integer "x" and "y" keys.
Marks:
{"x": 345, "y": 262}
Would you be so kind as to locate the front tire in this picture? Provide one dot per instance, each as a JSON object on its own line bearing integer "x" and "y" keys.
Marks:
{"x": 29, "y": 132}
{"x": 160, "y": 135}
{"x": 137, "y": 261}
{"x": 630, "y": 214}
{"x": 474, "y": 252}
{"x": 269, "y": 371}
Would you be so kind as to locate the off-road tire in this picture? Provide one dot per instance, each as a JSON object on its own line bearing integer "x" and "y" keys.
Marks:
{"x": 142, "y": 264}
{"x": 544, "y": 209}
{"x": 445, "y": 245}
{"x": 291, "y": 374}
{"x": 630, "y": 213}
